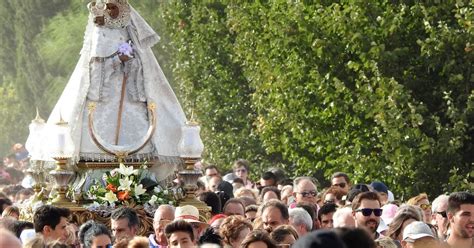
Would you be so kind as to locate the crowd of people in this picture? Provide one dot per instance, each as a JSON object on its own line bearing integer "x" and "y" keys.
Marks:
{"x": 274, "y": 212}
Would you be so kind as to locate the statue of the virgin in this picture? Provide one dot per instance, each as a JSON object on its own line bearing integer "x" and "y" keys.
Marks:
{"x": 119, "y": 79}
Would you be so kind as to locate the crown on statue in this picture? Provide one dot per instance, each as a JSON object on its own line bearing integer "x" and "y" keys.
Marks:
{"x": 98, "y": 8}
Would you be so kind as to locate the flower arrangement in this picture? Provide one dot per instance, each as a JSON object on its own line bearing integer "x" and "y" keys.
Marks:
{"x": 123, "y": 187}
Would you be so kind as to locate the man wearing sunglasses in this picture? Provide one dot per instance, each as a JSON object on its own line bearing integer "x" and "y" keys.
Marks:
{"x": 341, "y": 179}
{"x": 366, "y": 210}
{"x": 439, "y": 215}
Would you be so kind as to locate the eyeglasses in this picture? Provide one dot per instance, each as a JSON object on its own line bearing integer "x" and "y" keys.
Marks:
{"x": 443, "y": 214}
{"x": 308, "y": 193}
{"x": 425, "y": 206}
{"x": 241, "y": 170}
{"x": 342, "y": 185}
{"x": 104, "y": 246}
{"x": 368, "y": 211}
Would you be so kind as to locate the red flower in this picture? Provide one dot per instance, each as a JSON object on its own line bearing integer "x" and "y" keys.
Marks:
{"x": 123, "y": 195}
{"x": 111, "y": 187}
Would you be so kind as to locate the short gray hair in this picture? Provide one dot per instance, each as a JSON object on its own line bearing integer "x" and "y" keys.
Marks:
{"x": 299, "y": 179}
{"x": 299, "y": 216}
{"x": 436, "y": 202}
{"x": 339, "y": 215}
{"x": 158, "y": 214}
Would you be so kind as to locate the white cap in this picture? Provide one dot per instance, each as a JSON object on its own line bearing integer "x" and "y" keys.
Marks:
{"x": 417, "y": 230}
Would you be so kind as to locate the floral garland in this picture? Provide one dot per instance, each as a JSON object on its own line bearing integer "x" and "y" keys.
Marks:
{"x": 123, "y": 187}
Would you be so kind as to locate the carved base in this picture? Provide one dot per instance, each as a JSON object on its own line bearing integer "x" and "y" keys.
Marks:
{"x": 80, "y": 215}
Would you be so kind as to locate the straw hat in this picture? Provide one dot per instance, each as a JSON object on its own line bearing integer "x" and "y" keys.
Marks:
{"x": 189, "y": 214}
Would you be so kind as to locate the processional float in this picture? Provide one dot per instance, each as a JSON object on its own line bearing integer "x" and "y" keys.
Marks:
{"x": 117, "y": 107}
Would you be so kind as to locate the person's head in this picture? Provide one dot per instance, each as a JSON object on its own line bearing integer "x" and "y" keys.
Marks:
{"x": 216, "y": 221}
{"x": 226, "y": 187}
{"x": 461, "y": 214}
{"x": 382, "y": 191}
{"x": 213, "y": 183}
{"x": 268, "y": 193}
{"x": 246, "y": 192}
{"x": 241, "y": 169}
{"x": 439, "y": 210}
{"x": 237, "y": 183}
{"x": 212, "y": 200}
{"x": 320, "y": 239}
{"x": 4, "y": 203}
{"x": 366, "y": 211}
{"x": 325, "y": 215}
{"x": 304, "y": 190}
{"x": 180, "y": 234}
{"x": 274, "y": 214}
{"x": 343, "y": 218}
{"x": 211, "y": 171}
{"x": 234, "y": 229}
{"x": 19, "y": 226}
{"x": 402, "y": 219}
{"x": 268, "y": 179}
{"x": 124, "y": 222}
{"x": 284, "y": 235}
{"x": 139, "y": 242}
{"x": 418, "y": 234}
{"x": 355, "y": 237}
{"x": 251, "y": 212}
{"x": 312, "y": 210}
{"x": 300, "y": 220}
{"x": 423, "y": 202}
{"x": 386, "y": 242}
{"x": 286, "y": 193}
{"x": 341, "y": 179}
{"x": 11, "y": 211}
{"x": 93, "y": 234}
{"x": 51, "y": 222}
{"x": 351, "y": 195}
{"x": 234, "y": 206}
{"x": 190, "y": 214}
{"x": 258, "y": 239}
{"x": 8, "y": 240}
{"x": 163, "y": 215}
{"x": 334, "y": 194}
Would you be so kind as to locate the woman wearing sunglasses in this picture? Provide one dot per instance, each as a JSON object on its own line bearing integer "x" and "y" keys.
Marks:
{"x": 423, "y": 202}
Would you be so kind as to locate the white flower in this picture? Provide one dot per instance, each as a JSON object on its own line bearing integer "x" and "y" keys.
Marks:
{"x": 139, "y": 190}
{"x": 157, "y": 189}
{"x": 153, "y": 200}
{"x": 110, "y": 197}
{"x": 165, "y": 192}
{"x": 126, "y": 170}
{"x": 125, "y": 184}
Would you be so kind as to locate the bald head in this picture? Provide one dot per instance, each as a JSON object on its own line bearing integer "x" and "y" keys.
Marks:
{"x": 164, "y": 212}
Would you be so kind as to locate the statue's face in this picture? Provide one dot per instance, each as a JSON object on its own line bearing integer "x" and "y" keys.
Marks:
{"x": 113, "y": 10}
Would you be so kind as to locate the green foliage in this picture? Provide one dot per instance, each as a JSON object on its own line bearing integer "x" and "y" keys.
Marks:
{"x": 12, "y": 123}
{"x": 212, "y": 83}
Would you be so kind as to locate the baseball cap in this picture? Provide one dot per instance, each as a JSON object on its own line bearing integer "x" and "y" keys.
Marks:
{"x": 379, "y": 187}
{"x": 417, "y": 230}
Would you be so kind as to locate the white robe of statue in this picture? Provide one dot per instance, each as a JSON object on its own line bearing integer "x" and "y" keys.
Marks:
{"x": 98, "y": 78}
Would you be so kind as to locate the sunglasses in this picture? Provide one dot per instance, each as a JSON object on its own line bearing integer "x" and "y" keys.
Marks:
{"x": 368, "y": 211}
{"x": 104, "y": 246}
{"x": 425, "y": 206}
{"x": 308, "y": 193}
{"x": 342, "y": 185}
{"x": 443, "y": 214}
